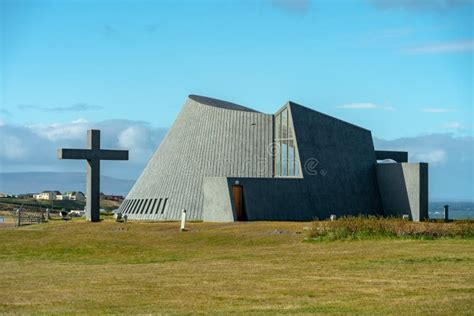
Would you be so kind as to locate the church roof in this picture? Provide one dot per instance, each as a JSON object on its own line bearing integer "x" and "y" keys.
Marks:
{"x": 220, "y": 103}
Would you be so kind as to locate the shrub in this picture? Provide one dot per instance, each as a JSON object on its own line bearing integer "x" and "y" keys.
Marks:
{"x": 371, "y": 227}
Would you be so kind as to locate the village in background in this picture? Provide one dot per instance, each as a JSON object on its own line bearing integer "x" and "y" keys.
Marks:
{"x": 67, "y": 204}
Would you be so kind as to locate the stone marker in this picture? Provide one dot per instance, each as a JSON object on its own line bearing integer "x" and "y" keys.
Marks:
{"x": 93, "y": 154}
{"x": 183, "y": 220}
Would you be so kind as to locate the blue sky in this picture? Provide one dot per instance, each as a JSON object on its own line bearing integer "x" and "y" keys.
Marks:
{"x": 401, "y": 68}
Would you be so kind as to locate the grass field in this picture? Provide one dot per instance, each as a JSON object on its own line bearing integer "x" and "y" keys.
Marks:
{"x": 254, "y": 267}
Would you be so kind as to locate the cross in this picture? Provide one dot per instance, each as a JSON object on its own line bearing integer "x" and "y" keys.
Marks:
{"x": 93, "y": 154}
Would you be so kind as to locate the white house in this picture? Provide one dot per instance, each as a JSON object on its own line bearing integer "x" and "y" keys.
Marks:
{"x": 47, "y": 195}
{"x": 73, "y": 196}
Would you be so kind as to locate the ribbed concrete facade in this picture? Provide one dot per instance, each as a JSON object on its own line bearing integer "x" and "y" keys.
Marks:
{"x": 210, "y": 138}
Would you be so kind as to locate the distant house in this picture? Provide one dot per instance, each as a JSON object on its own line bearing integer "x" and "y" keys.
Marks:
{"x": 73, "y": 196}
{"x": 6, "y": 195}
{"x": 47, "y": 195}
{"x": 112, "y": 197}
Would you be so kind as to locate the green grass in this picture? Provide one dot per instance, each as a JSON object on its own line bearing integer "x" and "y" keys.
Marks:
{"x": 350, "y": 228}
{"x": 243, "y": 268}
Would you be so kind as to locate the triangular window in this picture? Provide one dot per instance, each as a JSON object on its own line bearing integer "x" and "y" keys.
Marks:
{"x": 286, "y": 156}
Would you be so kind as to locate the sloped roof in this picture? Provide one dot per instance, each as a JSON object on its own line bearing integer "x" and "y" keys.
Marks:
{"x": 220, "y": 103}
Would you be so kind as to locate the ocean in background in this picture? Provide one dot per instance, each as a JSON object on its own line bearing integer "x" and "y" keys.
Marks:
{"x": 457, "y": 210}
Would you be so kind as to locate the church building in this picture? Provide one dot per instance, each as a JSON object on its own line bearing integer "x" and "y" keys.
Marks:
{"x": 224, "y": 162}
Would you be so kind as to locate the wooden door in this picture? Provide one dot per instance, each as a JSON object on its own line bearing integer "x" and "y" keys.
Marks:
{"x": 238, "y": 202}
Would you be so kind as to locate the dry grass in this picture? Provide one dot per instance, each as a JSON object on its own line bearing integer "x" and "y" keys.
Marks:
{"x": 257, "y": 267}
{"x": 362, "y": 227}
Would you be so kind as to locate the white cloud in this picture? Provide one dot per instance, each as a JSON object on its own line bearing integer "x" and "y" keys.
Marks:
{"x": 452, "y": 125}
{"x": 138, "y": 141}
{"x": 450, "y": 158}
{"x": 74, "y": 130}
{"x": 436, "y": 110}
{"x": 11, "y": 147}
{"x": 366, "y": 106}
{"x": 434, "y": 156}
{"x": 33, "y": 147}
{"x": 447, "y": 47}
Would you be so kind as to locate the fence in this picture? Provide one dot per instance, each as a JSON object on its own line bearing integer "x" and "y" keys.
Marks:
{"x": 27, "y": 217}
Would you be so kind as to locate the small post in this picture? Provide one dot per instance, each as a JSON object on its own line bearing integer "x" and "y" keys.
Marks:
{"x": 48, "y": 214}
{"x": 183, "y": 220}
{"x": 18, "y": 213}
{"x": 446, "y": 213}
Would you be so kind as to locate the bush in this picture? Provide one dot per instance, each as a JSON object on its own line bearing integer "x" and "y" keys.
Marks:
{"x": 361, "y": 227}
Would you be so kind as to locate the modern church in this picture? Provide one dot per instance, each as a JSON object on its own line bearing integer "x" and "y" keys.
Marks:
{"x": 224, "y": 162}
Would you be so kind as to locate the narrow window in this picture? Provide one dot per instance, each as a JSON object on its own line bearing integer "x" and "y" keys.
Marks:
{"x": 123, "y": 206}
{"x": 158, "y": 206}
{"x": 142, "y": 206}
{"x": 286, "y": 162}
{"x": 276, "y": 145}
{"x": 132, "y": 207}
{"x": 291, "y": 158}
{"x": 139, "y": 206}
{"x": 148, "y": 206}
{"x": 145, "y": 206}
{"x": 152, "y": 208}
{"x": 164, "y": 206}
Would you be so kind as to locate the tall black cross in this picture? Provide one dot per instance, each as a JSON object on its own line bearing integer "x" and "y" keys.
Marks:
{"x": 93, "y": 154}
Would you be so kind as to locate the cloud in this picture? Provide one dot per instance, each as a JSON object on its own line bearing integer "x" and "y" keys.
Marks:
{"x": 437, "y": 110}
{"x": 77, "y": 107}
{"x": 365, "y": 106}
{"x": 434, "y": 156}
{"x": 450, "y": 158}
{"x": 440, "y": 48}
{"x": 420, "y": 5}
{"x": 452, "y": 125}
{"x": 295, "y": 6}
{"x": 137, "y": 139}
{"x": 33, "y": 147}
{"x": 11, "y": 147}
{"x": 74, "y": 130}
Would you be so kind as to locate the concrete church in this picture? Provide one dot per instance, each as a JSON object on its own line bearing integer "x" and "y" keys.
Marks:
{"x": 225, "y": 162}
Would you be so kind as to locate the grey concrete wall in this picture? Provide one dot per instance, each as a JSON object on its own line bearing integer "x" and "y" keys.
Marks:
{"x": 404, "y": 189}
{"x": 346, "y": 181}
{"x": 217, "y": 205}
{"x": 210, "y": 138}
{"x": 398, "y": 156}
